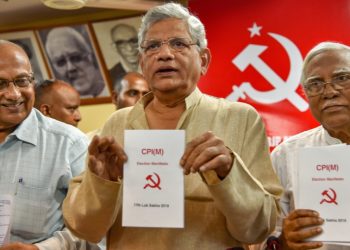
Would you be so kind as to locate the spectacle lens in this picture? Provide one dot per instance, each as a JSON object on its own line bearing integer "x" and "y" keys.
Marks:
{"x": 176, "y": 44}
{"x": 316, "y": 86}
{"x": 20, "y": 82}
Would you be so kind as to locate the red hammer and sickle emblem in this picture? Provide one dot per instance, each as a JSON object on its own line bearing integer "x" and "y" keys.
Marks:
{"x": 151, "y": 182}
{"x": 328, "y": 198}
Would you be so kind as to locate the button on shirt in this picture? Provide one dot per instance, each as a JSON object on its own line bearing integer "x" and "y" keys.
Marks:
{"x": 37, "y": 161}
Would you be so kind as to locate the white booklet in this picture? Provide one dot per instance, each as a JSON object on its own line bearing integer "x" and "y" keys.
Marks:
{"x": 153, "y": 180}
{"x": 323, "y": 185}
{"x": 6, "y": 207}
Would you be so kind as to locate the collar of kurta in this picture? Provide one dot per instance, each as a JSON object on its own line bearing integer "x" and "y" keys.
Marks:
{"x": 137, "y": 115}
{"x": 329, "y": 139}
{"x": 190, "y": 100}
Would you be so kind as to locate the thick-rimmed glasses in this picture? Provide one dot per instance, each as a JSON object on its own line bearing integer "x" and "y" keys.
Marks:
{"x": 20, "y": 82}
{"x": 316, "y": 87}
{"x": 177, "y": 44}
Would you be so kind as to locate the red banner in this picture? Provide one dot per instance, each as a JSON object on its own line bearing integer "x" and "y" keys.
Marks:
{"x": 257, "y": 53}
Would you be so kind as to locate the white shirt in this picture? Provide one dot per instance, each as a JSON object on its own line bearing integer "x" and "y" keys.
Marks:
{"x": 284, "y": 161}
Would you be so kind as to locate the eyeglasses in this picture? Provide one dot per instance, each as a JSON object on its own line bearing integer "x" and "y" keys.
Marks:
{"x": 20, "y": 82}
{"x": 123, "y": 43}
{"x": 316, "y": 87}
{"x": 175, "y": 43}
{"x": 75, "y": 59}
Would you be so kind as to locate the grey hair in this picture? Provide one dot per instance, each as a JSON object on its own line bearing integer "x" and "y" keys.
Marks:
{"x": 173, "y": 10}
{"x": 319, "y": 49}
{"x": 66, "y": 32}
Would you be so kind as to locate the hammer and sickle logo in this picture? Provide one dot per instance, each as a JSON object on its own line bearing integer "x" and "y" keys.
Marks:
{"x": 329, "y": 198}
{"x": 152, "y": 183}
{"x": 283, "y": 89}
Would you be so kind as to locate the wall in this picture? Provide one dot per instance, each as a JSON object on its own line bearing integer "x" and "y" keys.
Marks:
{"x": 93, "y": 116}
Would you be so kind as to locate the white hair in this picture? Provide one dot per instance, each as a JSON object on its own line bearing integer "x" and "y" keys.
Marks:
{"x": 173, "y": 10}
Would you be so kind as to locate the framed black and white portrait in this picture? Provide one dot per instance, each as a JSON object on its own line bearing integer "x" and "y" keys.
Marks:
{"x": 118, "y": 43}
{"x": 28, "y": 41}
{"x": 72, "y": 57}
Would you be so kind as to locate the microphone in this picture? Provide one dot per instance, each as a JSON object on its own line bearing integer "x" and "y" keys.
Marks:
{"x": 273, "y": 243}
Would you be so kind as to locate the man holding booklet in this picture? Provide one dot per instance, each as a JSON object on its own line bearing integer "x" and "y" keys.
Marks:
{"x": 326, "y": 82}
{"x": 230, "y": 190}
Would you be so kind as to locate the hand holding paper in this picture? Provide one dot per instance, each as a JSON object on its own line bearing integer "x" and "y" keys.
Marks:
{"x": 207, "y": 152}
{"x": 106, "y": 158}
{"x": 322, "y": 185}
{"x": 300, "y": 225}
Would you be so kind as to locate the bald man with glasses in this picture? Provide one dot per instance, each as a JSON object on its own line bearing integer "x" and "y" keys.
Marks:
{"x": 38, "y": 157}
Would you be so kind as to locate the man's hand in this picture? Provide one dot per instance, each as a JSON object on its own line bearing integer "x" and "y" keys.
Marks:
{"x": 207, "y": 152}
{"x": 106, "y": 158}
{"x": 19, "y": 246}
{"x": 300, "y": 225}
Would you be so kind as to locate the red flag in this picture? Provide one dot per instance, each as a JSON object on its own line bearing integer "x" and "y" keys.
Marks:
{"x": 257, "y": 52}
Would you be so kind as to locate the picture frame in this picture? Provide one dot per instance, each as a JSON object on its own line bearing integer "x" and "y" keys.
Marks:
{"x": 118, "y": 61}
{"x": 28, "y": 41}
{"x": 72, "y": 56}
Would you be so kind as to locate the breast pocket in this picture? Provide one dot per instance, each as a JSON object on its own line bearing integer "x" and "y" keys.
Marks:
{"x": 31, "y": 211}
